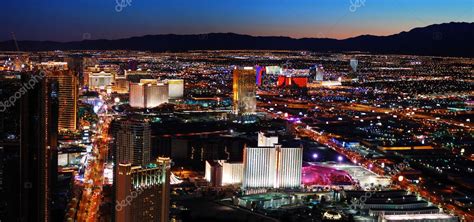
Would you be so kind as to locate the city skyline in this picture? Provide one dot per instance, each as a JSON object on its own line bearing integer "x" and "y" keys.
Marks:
{"x": 237, "y": 111}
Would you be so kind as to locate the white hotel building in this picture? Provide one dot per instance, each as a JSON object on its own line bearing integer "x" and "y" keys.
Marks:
{"x": 223, "y": 173}
{"x": 148, "y": 94}
{"x": 100, "y": 80}
{"x": 272, "y": 166}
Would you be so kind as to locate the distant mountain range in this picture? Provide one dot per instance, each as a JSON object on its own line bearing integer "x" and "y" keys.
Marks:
{"x": 448, "y": 39}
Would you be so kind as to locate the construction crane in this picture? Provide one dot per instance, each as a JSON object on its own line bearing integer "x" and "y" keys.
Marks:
{"x": 16, "y": 43}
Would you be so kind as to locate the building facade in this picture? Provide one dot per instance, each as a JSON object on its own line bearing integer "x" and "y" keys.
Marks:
{"x": 93, "y": 69}
{"x": 132, "y": 142}
{"x": 244, "y": 90}
{"x": 68, "y": 86}
{"x": 176, "y": 88}
{"x": 272, "y": 166}
{"x": 148, "y": 94}
{"x": 223, "y": 173}
{"x": 28, "y": 165}
{"x": 143, "y": 193}
{"x": 266, "y": 139}
{"x": 100, "y": 80}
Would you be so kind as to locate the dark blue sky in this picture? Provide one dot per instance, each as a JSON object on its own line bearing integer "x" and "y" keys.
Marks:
{"x": 66, "y": 20}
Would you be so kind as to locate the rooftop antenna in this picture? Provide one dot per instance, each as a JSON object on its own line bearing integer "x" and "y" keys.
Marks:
{"x": 16, "y": 43}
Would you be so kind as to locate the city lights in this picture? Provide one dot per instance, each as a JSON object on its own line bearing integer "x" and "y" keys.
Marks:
{"x": 184, "y": 111}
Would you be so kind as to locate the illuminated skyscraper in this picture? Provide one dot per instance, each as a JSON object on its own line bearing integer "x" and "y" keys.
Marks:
{"x": 148, "y": 94}
{"x": 68, "y": 91}
{"x": 272, "y": 166}
{"x": 244, "y": 90}
{"x": 143, "y": 193}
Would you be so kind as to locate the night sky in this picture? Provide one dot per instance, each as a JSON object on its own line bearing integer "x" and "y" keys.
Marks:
{"x": 70, "y": 20}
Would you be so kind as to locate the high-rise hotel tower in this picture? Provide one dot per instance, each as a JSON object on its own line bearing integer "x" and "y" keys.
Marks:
{"x": 143, "y": 193}
{"x": 271, "y": 165}
{"x": 244, "y": 90}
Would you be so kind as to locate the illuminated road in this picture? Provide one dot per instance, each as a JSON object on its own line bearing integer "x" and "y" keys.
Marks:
{"x": 401, "y": 113}
{"x": 367, "y": 163}
{"x": 437, "y": 200}
{"x": 412, "y": 115}
{"x": 94, "y": 174}
{"x": 326, "y": 139}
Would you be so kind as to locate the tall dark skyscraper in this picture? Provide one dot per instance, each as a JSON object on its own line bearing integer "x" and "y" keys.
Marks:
{"x": 132, "y": 142}
{"x": 132, "y": 149}
{"x": 29, "y": 147}
{"x": 75, "y": 63}
{"x": 10, "y": 187}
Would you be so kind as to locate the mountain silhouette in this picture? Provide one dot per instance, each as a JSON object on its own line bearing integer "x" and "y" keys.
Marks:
{"x": 447, "y": 39}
